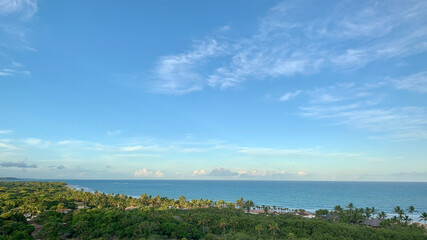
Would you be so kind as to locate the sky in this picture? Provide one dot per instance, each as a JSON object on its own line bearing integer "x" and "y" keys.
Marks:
{"x": 238, "y": 90}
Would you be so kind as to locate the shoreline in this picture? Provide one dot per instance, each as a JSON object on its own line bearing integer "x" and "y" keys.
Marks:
{"x": 255, "y": 210}
{"x": 223, "y": 180}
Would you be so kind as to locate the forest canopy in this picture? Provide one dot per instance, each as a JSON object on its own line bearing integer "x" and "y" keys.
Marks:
{"x": 51, "y": 210}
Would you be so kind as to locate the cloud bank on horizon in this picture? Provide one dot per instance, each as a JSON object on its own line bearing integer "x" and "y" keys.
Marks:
{"x": 281, "y": 91}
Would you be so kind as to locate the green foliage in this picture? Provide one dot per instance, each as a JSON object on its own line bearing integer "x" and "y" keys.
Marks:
{"x": 103, "y": 216}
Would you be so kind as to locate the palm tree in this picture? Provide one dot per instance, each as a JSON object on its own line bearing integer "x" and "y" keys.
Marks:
{"x": 223, "y": 224}
{"x": 259, "y": 228}
{"x": 407, "y": 219}
{"x": 350, "y": 206}
{"x": 338, "y": 209}
{"x": 220, "y": 203}
{"x": 382, "y": 215}
{"x": 208, "y": 202}
{"x": 239, "y": 202}
{"x": 233, "y": 221}
{"x": 368, "y": 212}
{"x": 266, "y": 208}
{"x": 248, "y": 205}
{"x": 274, "y": 228}
{"x": 374, "y": 212}
{"x": 399, "y": 212}
{"x": 411, "y": 210}
{"x": 182, "y": 201}
{"x": 423, "y": 217}
{"x": 202, "y": 222}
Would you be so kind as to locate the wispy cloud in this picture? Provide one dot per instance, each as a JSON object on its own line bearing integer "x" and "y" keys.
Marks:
{"x": 33, "y": 141}
{"x": 5, "y": 131}
{"x": 12, "y": 71}
{"x": 286, "y": 43}
{"x": 180, "y": 74}
{"x": 403, "y": 123}
{"x": 302, "y": 152}
{"x": 340, "y": 92}
{"x": 414, "y": 83}
{"x": 14, "y": 15}
{"x": 114, "y": 133}
{"x": 25, "y": 8}
{"x": 142, "y": 148}
{"x": 7, "y": 146}
{"x": 361, "y": 106}
{"x": 289, "y": 95}
{"x": 71, "y": 142}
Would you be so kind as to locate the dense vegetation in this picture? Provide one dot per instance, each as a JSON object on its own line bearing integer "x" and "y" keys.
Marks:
{"x": 63, "y": 213}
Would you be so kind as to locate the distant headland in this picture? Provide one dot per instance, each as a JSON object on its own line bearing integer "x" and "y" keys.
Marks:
{"x": 9, "y": 178}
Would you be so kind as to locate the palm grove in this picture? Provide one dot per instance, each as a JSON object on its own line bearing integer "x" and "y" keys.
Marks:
{"x": 51, "y": 210}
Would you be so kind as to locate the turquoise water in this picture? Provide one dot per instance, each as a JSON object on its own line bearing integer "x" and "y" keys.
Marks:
{"x": 291, "y": 194}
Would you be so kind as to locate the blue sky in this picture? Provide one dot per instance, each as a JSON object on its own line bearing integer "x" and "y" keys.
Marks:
{"x": 268, "y": 90}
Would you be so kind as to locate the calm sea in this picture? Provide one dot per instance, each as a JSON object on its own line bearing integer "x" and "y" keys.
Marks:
{"x": 291, "y": 194}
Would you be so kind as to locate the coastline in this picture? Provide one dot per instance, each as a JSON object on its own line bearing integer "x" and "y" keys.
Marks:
{"x": 389, "y": 212}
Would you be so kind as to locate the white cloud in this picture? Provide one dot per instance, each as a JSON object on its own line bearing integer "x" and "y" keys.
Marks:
{"x": 358, "y": 106}
{"x": 301, "y": 173}
{"x": 27, "y": 8}
{"x": 142, "y": 148}
{"x": 14, "y": 16}
{"x": 114, "y": 133}
{"x": 70, "y": 142}
{"x": 5, "y": 131}
{"x": 191, "y": 150}
{"x": 225, "y": 28}
{"x": 284, "y": 45}
{"x": 7, "y": 146}
{"x": 415, "y": 82}
{"x": 253, "y": 173}
{"x": 200, "y": 172}
{"x": 179, "y": 74}
{"x": 273, "y": 152}
{"x": 289, "y": 95}
{"x": 327, "y": 98}
{"x": 149, "y": 173}
{"x": 260, "y": 173}
{"x": 33, "y": 141}
{"x": 131, "y": 149}
{"x": 13, "y": 71}
{"x": 4, "y": 74}
{"x": 341, "y": 92}
{"x": 222, "y": 172}
{"x": 402, "y": 123}
{"x": 302, "y": 152}
{"x": 245, "y": 174}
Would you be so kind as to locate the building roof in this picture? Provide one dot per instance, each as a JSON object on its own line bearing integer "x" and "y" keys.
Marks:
{"x": 130, "y": 208}
{"x": 372, "y": 222}
{"x": 64, "y": 210}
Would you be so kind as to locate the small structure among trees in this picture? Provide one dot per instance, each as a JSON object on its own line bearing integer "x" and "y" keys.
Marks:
{"x": 374, "y": 223}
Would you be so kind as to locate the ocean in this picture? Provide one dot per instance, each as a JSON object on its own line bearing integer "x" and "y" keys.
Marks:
{"x": 308, "y": 195}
